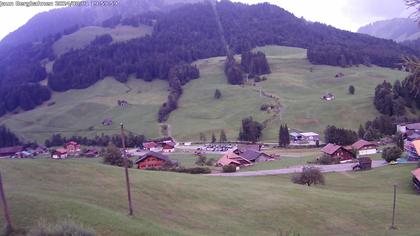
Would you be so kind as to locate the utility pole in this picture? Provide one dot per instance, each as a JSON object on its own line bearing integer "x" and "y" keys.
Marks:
{"x": 127, "y": 179}
{"x": 9, "y": 227}
{"x": 393, "y": 208}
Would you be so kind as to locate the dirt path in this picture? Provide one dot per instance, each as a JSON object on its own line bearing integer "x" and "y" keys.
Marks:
{"x": 297, "y": 169}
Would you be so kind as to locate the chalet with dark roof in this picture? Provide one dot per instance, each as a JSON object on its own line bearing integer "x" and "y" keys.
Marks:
{"x": 153, "y": 160}
{"x": 338, "y": 152}
{"x": 254, "y": 156}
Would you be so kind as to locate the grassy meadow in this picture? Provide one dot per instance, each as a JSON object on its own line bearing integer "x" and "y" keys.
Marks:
{"x": 291, "y": 80}
{"x": 84, "y": 36}
{"x": 88, "y": 192}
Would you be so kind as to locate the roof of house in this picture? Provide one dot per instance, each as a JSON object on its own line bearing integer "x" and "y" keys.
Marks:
{"x": 362, "y": 143}
{"x": 331, "y": 148}
{"x": 170, "y": 144}
{"x": 250, "y": 155}
{"x": 61, "y": 150}
{"x": 231, "y": 157}
{"x": 414, "y": 126}
{"x": 71, "y": 143}
{"x": 416, "y": 173}
{"x": 416, "y": 144}
{"x": 308, "y": 134}
{"x": 295, "y": 134}
{"x": 149, "y": 145}
{"x": 8, "y": 150}
{"x": 153, "y": 154}
{"x": 413, "y": 137}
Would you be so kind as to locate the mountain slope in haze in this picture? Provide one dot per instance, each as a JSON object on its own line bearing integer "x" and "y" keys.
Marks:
{"x": 57, "y": 20}
{"x": 398, "y": 29}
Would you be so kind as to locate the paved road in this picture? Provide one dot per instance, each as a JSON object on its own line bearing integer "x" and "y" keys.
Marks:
{"x": 296, "y": 169}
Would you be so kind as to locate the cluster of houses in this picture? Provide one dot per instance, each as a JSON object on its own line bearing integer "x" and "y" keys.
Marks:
{"x": 411, "y": 134}
{"x": 22, "y": 152}
{"x": 167, "y": 146}
{"x": 360, "y": 150}
{"x": 304, "y": 138}
{"x": 72, "y": 149}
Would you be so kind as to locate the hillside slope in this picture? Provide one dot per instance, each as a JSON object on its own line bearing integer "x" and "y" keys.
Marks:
{"x": 291, "y": 80}
{"x": 94, "y": 194}
{"x": 398, "y": 29}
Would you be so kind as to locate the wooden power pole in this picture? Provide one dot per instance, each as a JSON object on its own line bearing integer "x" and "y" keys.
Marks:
{"x": 9, "y": 227}
{"x": 127, "y": 179}
{"x": 393, "y": 208}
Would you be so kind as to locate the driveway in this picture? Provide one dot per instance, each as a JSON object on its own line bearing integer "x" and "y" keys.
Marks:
{"x": 296, "y": 169}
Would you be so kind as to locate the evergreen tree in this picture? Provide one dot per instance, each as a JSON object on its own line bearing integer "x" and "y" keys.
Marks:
{"x": 251, "y": 130}
{"x": 203, "y": 137}
{"x": 217, "y": 94}
{"x": 361, "y": 132}
{"x": 223, "y": 137}
{"x": 213, "y": 138}
{"x": 352, "y": 90}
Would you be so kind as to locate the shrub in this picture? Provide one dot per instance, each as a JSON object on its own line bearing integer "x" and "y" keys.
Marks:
{"x": 114, "y": 157}
{"x": 309, "y": 176}
{"x": 199, "y": 170}
{"x": 201, "y": 160}
{"x": 65, "y": 228}
{"x": 229, "y": 169}
{"x": 210, "y": 162}
{"x": 391, "y": 154}
{"x": 328, "y": 160}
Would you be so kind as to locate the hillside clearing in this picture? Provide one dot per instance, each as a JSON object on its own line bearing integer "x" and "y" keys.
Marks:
{"x": 93, "y": 194}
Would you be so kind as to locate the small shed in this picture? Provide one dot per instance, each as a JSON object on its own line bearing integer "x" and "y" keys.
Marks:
{"x": 365, "y": 163}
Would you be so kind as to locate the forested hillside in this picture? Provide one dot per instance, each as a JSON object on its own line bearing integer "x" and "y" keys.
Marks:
{"x": 398, "y": 29}
{"x": 183, "y": 35}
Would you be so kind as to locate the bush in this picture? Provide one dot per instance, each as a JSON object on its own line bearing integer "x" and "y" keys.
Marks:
{"x": 328, "y": 160}
{"x": 391, "y": 154}
{"x": 210, "y": 162}
{"x": 229, "y": 169}
{"x": 309, "y": 176}
{"x": 61, "y": 229}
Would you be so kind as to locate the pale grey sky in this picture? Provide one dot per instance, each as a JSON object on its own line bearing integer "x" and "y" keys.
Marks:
{"x": 343, "y": 14}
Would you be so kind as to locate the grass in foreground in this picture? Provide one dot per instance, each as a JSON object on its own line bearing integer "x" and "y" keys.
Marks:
{"x": 90, "y": 193}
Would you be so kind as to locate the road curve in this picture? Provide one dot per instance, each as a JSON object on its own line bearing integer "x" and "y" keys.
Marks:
{"x": 296, "y": 169}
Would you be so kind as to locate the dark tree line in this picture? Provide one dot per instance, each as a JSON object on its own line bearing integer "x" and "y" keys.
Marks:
{"x": 284, "y": 136}
{"x": 233, "y": 71}
{"x": 255, "y": 63}
{"x": 251, "y": 131}
{"x": 26, "y": 97}
{"x": 103, "y": 140}
{"x": 178, "y": 76}
{"x": 8, "y": 138}
{"x": 392, "y": 100}
{"x": 340, "y": 136}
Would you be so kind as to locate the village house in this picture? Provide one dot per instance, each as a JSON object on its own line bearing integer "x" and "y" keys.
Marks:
{"x": 408, "y": 128}
{"x": 413, "y": 137}
{"x": 10, "y": 151}
{"x": 338, "y": 152}
{"x": 364, "y": 147}
{"x": 255, "y": 157}
{"x": 168, "y": 147}
{"x": 72, "y": 148}
{"x": 306, "y": 137}
{"x": 60, "y": 153}
{"x": 154, "y": 160}
{"x": 413, "y": 150}
{"x": 310, "y": 136}
{"x": 295, "y": 137}
{"x": 231, "y": 158}
{"x": 416, "y": 179}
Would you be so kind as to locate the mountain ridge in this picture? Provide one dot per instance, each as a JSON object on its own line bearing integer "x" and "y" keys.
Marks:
{"x": 397, "y": 29}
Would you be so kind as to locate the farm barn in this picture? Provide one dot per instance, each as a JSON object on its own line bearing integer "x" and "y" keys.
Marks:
{"x": 338, "y": 152}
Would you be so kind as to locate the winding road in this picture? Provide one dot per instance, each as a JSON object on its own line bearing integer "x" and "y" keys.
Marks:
{"x": 296, "y": 169}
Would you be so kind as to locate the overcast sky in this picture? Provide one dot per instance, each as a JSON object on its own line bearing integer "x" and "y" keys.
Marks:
{"x": 343, "y": 14}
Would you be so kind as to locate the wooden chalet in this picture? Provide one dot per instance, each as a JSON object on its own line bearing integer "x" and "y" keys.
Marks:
{"x": 72, "y": 147}
{"x": 409, "y": 128}
{"x": 153, "y": 160}
{"x": 168, "y": 147}
{"x": 364, "y": 147}
{"x": 60, "y": 153}
{"x": 338, "y": 152}
{"x": 416, "y": 179}
{"x": 10, "y": 151}
{"x": 231, "y": 158}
